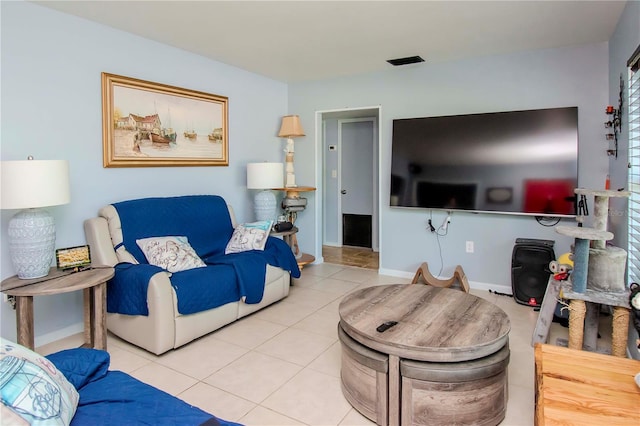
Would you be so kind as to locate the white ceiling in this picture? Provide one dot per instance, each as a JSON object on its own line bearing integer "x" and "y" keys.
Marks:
{"x": 307, "y": 40}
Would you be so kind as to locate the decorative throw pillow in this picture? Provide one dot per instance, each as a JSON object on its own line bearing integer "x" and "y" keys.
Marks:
{"x": 33, "y": 388}
{"x": 174, "y": 254}
{"x": 249, "y": 236}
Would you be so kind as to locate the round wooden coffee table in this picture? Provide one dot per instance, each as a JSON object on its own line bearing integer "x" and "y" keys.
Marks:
{"x": 444, "y": 360}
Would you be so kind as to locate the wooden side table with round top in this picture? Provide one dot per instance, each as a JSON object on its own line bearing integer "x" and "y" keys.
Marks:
{"x": 303, "y": 259}
{"x": 93, "y": 282}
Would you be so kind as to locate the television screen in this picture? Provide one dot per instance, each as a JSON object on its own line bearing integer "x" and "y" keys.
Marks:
{"x": 520, "y": 162}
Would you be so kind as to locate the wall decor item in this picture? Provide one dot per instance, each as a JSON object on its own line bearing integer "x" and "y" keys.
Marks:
{"x": 147, "y": 124}
{"x": 615, "y": 122}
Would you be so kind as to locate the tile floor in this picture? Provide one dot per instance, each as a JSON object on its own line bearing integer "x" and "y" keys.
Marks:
{"x": 281, "y": 365}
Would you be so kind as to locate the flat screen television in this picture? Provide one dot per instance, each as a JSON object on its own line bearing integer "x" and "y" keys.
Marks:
{"x": 516, "y": 162}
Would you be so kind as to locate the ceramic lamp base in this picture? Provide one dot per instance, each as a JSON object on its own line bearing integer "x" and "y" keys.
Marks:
{"x": 32, "y": 238}
{"x": 264, "y": 205}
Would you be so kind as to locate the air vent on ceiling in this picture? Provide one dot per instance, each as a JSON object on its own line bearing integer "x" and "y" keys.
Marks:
{"x": 405, "y": 61}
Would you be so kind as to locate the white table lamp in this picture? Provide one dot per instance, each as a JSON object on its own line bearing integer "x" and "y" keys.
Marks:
{"x": 290, "y": 128}
{"x": 30, "y": 185}
{"x": 265, "y": 176}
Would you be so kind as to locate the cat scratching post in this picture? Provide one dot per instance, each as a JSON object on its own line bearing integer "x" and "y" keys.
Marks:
{"x": 578, "y": 307}
{"x": 597, "y": 278}
{"x": 606, "y": 263}
{"x": 581, "y": 252}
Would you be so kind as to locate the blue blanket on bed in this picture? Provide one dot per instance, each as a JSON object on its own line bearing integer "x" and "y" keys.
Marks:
{"x": 205, "y": 221}
{"x": 115, "y": 398}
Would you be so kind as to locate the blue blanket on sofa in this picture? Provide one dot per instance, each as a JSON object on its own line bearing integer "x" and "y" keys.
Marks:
{"x": 205, "y": 221}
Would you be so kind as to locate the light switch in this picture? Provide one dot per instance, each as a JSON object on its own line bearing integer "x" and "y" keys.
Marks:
{"x": 334, "y": 173}
{"x": 332, "y": 147}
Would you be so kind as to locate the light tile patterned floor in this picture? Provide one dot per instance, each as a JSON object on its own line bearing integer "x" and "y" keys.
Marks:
{"x": 281, "y": 365}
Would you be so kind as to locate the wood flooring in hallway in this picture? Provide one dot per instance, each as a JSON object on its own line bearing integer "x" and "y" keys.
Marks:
{"x": 351, "y": 256}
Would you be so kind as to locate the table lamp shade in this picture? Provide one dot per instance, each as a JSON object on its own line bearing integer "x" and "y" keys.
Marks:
{"x": 30, "y": 185}
{"x": 265, "y": 176}
{"x": 34, "y": 183}
{"x": 291, "y": 127}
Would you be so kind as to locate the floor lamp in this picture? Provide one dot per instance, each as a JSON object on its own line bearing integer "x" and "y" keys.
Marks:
{"x": 31, "y": 185}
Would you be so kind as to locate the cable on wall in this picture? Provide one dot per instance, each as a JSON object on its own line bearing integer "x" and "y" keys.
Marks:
{"x": 441, "y": 231}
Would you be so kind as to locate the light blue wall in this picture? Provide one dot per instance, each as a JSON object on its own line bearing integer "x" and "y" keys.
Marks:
{"x": 576, "y": 76}
{"x": 51, "y": 109}
{"x": 330, "y": 204}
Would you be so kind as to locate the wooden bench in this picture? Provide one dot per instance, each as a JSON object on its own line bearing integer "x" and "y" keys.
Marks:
{"x": 575, "y": 387}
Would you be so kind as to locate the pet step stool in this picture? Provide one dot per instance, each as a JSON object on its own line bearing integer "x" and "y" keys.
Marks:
{"x": 458, "y": 276}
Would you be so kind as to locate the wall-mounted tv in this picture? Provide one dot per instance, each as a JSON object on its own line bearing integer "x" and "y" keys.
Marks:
{"x": 516, "y": 162}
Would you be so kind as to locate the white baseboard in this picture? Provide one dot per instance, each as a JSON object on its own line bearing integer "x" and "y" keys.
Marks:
{"x": 59, "y": 334}
{"x": 395, "y": 273}
{"x": 476, "y": 285}
{"x": 331, "y": 244}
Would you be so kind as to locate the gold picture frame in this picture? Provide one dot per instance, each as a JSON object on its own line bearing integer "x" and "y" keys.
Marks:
{"x": 146, "y": 124}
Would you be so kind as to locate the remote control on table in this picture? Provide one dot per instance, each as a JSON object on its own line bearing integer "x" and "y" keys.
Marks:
{"x": 385, "y": 326}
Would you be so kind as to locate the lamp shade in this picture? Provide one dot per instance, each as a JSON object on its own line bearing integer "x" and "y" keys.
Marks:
{"x": 30, "y": 185}
{"x": 291, "y": 127}
{"x": 265, "y": 175}
{"x": 34, "y": 183}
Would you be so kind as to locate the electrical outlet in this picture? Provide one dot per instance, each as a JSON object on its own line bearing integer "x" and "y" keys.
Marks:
{"x": 470, "y": 247}
{"x": 11, "y": 300}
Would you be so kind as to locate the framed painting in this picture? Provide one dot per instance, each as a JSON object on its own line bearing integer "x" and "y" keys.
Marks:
{"x": 147, "y": 124}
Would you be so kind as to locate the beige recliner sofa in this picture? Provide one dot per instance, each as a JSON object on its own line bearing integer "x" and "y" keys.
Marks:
{"x": 164, "y": 328}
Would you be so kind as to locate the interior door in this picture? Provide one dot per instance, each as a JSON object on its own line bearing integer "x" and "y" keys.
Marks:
{"x": 356, "y": 181}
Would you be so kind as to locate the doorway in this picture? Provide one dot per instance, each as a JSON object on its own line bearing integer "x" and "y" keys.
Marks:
{"x": 356, "y": 164}
{"x": 349, "y": 172}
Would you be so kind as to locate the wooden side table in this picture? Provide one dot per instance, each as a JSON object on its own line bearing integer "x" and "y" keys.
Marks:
{"x": 93, "y": 282}
{"x": 294, "y": 192}
{"x": 287, "y": 236}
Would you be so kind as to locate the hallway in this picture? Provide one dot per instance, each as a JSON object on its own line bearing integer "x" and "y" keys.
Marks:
{"x": 351, "y": 256}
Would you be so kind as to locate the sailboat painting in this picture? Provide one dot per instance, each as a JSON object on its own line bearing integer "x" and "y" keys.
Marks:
{"x": 147, "y": 124}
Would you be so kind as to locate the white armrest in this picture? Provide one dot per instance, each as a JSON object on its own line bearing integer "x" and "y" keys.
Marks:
{"x": 96, "y": 232}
